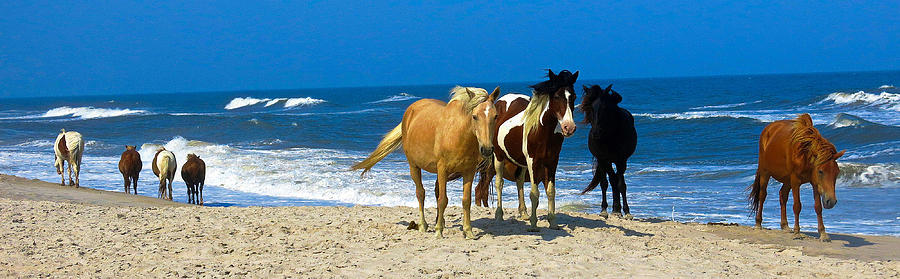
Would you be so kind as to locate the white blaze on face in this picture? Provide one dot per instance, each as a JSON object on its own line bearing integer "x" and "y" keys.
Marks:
{"x": 567, "y": 118}
{"x": 487, "y": 111}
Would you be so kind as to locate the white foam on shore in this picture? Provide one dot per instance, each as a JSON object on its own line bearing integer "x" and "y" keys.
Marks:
{"x": 90, "y": 112}
{"x": 726, "y": 105}
{"x": 760, "y": 115}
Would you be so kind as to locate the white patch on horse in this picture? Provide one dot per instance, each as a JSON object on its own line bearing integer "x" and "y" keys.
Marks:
{"x": 567, "y": 116}
{"x": 509, "y": 98}
{"x": 509, "y": 124}
{"x": 546, "y": 108}
{"x": 487, "y": 111}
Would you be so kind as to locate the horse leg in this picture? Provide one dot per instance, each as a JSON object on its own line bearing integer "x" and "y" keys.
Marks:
{"x": 822, "y": 235}
{"x": 442, "y": 201}
{"x": 599, "y": 175}
{"x": 134, "y": 183}
{"x": 795, "y": 188}
{"x": 416, "y": 174}
{"x": 162, "y": 188}
{"x": 614, "y": 184}
{"x": 71, "y": 182}
{"x": 520, "y": 187}
{"x": 783, "y": 199}
{"x": 550, "y": 184}
{"x": 190, "y": 192}
{"x": 535, "y": 195}
{"x": 762, "y": 181}
{"x": 201, "y": 191}
{"x": 127, "y": 184}
{"x": 620, "y": 174}
{"x": 77, "y": 172}
{"x": 170, "y": 186}
{"x": 498, "y": 182}
{"x": 467, "y": 204}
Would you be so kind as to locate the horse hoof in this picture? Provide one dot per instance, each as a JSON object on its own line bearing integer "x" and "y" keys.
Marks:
{"x": 498, "y": 216}
{"x": 798, "y": 236}
{"x": 604, "y": 215}
{"x": 439, "y": 234}
{"x": 824, "y": 237}
{"x": 629, "y": 217}
{"x": 617, "y": 214}
{"x": 423, "y": 227}
{"x": 469, "y": 234}
{"x": 524, "y": 217}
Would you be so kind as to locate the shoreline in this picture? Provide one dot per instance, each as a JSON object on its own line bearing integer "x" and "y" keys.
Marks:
{"x": 62, "y": 231}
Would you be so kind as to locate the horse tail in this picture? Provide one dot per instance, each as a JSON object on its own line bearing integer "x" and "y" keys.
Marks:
{"x": 483, "y": 189}
{"x": 388, "y": 144}
{"x": 753, "y": 197}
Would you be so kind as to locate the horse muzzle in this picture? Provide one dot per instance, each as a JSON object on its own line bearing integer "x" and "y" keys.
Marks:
{"x": 828, "y": 203}
{"x": 568, "y": 129}
{"x": 487, "y": 151}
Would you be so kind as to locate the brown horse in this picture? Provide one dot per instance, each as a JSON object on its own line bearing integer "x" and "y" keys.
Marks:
{"x": 793, "y": 152}
{"x": 194, "y": 174}
{"x": 530, "y": 134}
{"x": 449, "y": 139}
{"x": 130, "y": 166}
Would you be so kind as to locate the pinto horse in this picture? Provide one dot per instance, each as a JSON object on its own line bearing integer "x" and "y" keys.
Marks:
{"x": 69, "y": 147}
{"x": 530, "y": 134}
{"x": 130, "y": 166}
{"x": 793, "y": 152}
{"x": 612, "y": 140}
{"x": 449, "y": 139}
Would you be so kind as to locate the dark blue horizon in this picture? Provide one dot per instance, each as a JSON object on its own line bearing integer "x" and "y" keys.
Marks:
{"x": 93, "y": 48}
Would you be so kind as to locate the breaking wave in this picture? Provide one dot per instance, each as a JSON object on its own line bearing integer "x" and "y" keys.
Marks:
{"x": 396, "y": 98}
{"x": 241, "y": 102}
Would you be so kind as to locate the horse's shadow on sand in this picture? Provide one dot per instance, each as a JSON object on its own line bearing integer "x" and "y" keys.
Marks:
{"x": 852, "y": 241}
{"x": 520, "y": 227}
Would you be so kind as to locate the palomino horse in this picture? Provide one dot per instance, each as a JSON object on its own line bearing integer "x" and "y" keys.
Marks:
{"x": 793, "y": 152}
{"x": 449, "y": 139}
{"x": 69, "y": 147}
{"x": 194, "y": 174}
{"x": 530, "y": 134}
{"x": 612, "y": 140}
{"x": 164, "y": 167}
{"x": 130, "y": 166}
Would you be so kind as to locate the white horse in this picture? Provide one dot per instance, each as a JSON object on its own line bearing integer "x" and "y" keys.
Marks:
{"x": 68, "y": 147}
{"x": 164, "y": 167}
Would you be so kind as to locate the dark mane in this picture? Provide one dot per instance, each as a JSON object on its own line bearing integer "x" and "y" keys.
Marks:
{"x": 555, "y": 82}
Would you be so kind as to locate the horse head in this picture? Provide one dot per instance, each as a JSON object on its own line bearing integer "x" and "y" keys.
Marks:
{"x": 484, "y": 119}
{"x": 824, "y": 177}
{"x": 599, "y": 105}
{"x": 560, "y": 89}
{"x": 129, "y": 147}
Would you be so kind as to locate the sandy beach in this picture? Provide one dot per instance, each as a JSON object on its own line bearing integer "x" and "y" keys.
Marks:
{"x": 54, "y": 231}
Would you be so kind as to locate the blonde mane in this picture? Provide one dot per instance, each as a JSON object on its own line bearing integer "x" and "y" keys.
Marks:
{"x": 809, "y": 142}
{"x": 533, "y": 111}
{"x": 459, "y": 93}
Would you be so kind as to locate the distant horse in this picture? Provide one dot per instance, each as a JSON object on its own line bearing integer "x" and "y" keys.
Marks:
{"x": 130, "y": 166}
{"x": 530, "y": 134}
{"x": 164, "y": 167}
{"x": 612, "y": 139}
{"x": 450, "y": 139}
{"x": 69, "y": 147}
{"x": 194, "y": 174}
{"x": 793, "y": 152}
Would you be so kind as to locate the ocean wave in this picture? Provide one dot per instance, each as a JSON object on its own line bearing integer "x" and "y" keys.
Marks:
{"x": 333, "y": 112}
{"x": 396, "y": 98}
{"x": 872, "y": 175}
{"x": 307, "y": 173}
{"x": 886, "y": 86}
{"x": 293, "y": 102}
{"x": 240, "y": 102}
{"x": 88, "y": 112}
{"x": 887, "y": 101}
{"x": 274, "y": 101}
{"x": 726, "y": 105}
{"x": 36, "y": 143}
{"x": 760, "y": 115}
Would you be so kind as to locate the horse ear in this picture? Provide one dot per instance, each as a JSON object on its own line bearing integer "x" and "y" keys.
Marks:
{"x": 470, "y": 93}
{"x": 495, "y": 94}
{"x": 838, "y": 155}
{"x": 574, "y": 77}
{"x": 608, "y": 88}
{"x": 551, "y": 75}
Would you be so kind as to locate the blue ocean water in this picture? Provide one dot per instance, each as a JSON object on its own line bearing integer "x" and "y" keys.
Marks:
{"x": 696, "y": 151}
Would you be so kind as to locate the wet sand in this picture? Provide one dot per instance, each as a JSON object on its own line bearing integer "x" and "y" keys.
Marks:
{"x": 59, "y": 231}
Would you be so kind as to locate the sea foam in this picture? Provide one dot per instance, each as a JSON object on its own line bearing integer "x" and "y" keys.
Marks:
{"x": 241, "y": 102}
{"x": 90, "y": 112}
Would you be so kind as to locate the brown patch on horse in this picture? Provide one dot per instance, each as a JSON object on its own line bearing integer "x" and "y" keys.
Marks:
{"x": 155, "y": 168}
{"x": 194, "y": 174}
{"x": 62, "y": 146}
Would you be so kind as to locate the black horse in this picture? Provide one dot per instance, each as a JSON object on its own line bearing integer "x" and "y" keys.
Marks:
{"x": 612, "y": 139}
